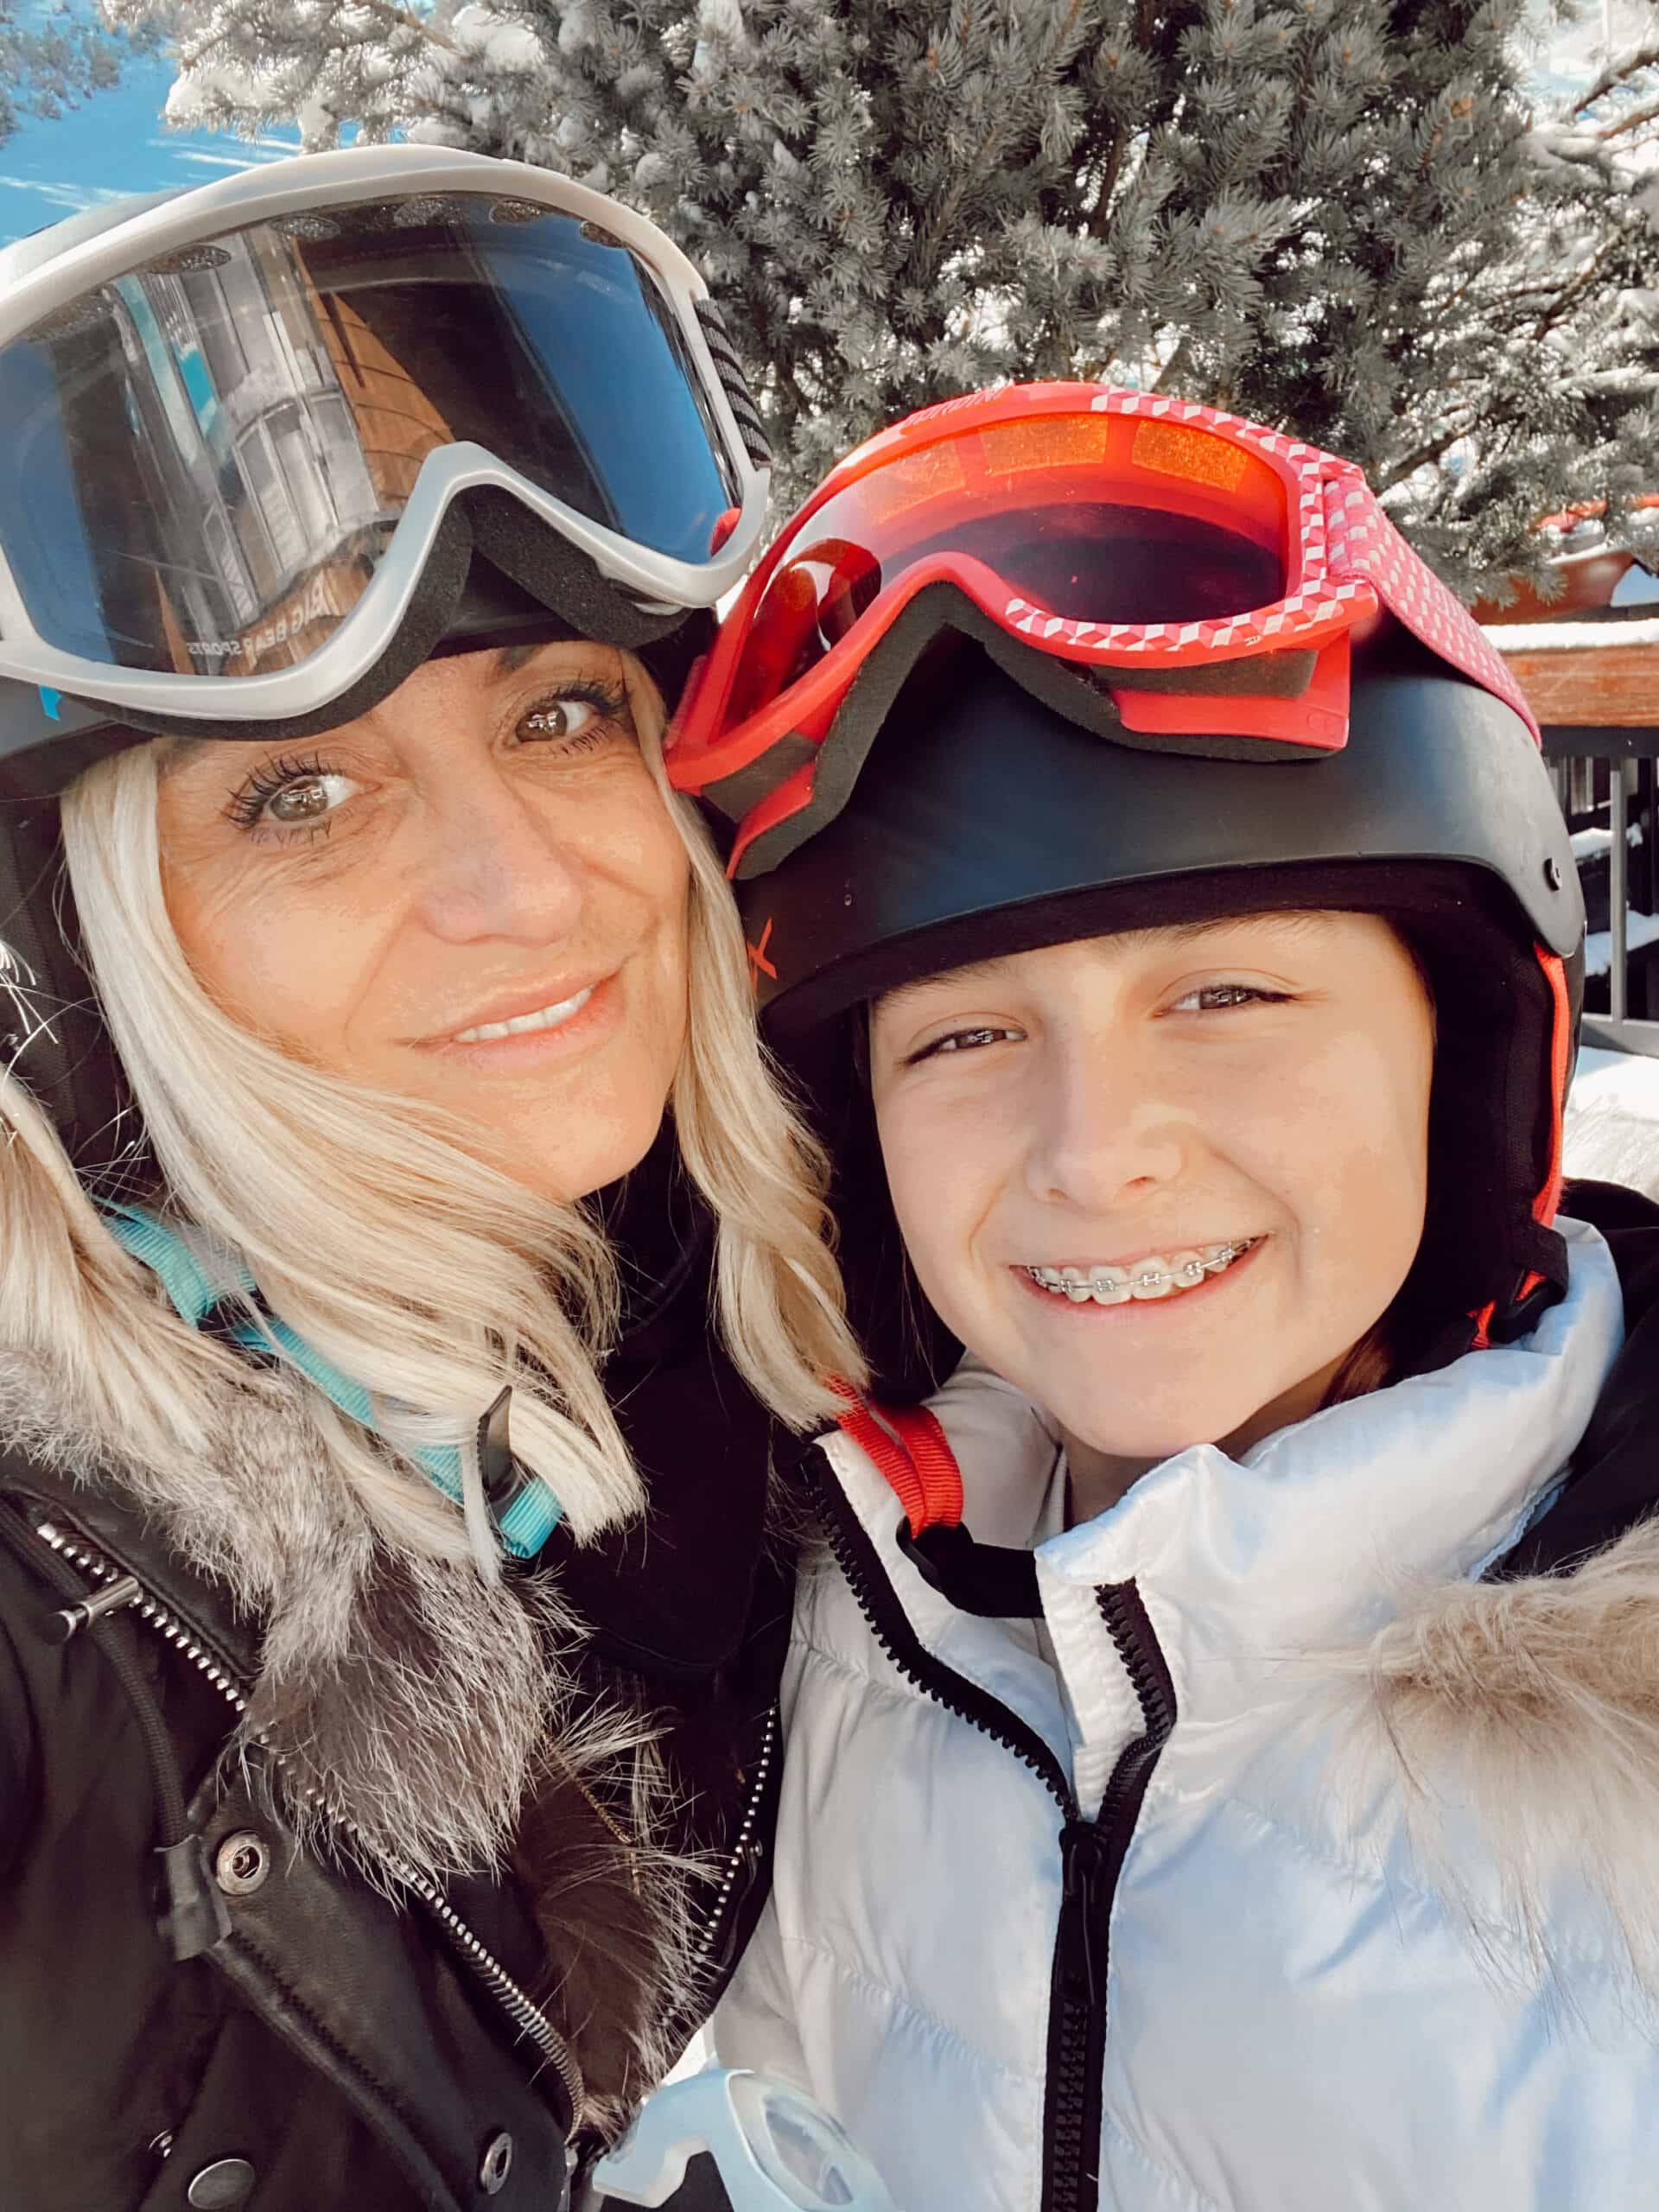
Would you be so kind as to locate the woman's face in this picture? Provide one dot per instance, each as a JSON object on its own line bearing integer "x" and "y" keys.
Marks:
{"x": 473, "y": 896}
{"x": 1058, "y": 1124}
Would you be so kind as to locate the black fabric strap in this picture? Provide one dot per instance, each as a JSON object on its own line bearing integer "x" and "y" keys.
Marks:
{"x": 989, "y": 1580}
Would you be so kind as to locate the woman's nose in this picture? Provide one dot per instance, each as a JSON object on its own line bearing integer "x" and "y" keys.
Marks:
{"x": 494, "y": 866}
{"x": 1099, "y": 1130}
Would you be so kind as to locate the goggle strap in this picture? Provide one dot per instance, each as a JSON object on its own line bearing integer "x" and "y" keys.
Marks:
{"x": 734, "y": 382}
{"x": 1365, "y": 545}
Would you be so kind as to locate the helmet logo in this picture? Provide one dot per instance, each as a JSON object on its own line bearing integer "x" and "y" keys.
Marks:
{"x": 51, "y": 702}
{"x": 758, "y": 963}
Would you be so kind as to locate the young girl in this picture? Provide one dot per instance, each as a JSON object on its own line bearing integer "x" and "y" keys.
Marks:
{"x": 1222, "y": 1749}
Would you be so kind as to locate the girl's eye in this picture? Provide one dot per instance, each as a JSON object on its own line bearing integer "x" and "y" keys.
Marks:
{"x": 1216, "y": 998}
{"x": 585, "y": 715}
{"x": 962, "y": 1040}
{"x": 286, "y": 794}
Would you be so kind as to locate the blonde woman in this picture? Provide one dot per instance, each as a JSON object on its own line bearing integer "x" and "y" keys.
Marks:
{"x": 404, "y": 1257}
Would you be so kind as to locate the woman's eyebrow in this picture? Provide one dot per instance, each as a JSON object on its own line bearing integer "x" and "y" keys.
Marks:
{"x": 175, "y": 752}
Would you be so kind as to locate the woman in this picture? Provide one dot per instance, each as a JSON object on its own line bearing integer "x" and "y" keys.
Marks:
{"x": 1229, "y": 1780}
{"x": 389, "y": 1625}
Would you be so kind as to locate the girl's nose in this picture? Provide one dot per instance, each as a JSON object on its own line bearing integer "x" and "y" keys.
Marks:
{"x": 1099, "y": 1132}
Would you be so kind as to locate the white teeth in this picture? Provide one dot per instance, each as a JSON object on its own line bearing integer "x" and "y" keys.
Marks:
{"x": 546, "y": 1017}
{"x": 1151, "y": 1278}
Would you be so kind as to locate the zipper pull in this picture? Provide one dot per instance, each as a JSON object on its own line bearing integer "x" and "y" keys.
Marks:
{"x": 1082, "y": 1866}
{"x": 197, "y": 1916}
{"x": 60, "y": 1626}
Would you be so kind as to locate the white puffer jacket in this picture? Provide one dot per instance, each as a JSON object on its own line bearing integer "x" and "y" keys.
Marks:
{"x": 1314, "y": 1875}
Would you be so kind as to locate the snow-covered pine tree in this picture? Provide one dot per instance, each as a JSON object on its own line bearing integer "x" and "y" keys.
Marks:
{"x": 50, "y": 57}
{"x": 1345, "y": 219}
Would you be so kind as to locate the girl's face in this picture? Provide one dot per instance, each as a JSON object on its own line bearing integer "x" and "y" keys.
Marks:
{"x": 1164, "y": 1181}
{"x": 473, "y": 896}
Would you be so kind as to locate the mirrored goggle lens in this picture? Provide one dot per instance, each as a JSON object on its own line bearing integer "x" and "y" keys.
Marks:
{"x": 205, "y": 460}
{"x": 1096, "y": 518}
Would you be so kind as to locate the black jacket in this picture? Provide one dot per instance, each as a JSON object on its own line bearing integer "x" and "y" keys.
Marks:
{"x": 241, "y": 2021}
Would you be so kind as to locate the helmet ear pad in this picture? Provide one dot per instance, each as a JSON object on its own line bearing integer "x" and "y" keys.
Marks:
{"x": 1495, "y": 1132}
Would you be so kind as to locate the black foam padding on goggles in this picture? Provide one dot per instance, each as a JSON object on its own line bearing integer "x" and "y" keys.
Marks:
{"x": 940, "y": 611}
{"x": 987, "y": 821}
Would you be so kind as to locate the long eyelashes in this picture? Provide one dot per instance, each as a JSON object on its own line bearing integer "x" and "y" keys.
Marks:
{"x": 247, "y": 804}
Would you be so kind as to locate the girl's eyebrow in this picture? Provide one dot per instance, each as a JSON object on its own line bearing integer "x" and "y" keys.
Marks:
{"x": 1299, "y": 920}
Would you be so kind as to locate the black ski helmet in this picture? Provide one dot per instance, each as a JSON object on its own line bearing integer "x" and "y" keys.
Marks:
{"x": 494, "y": 576}
{"x": 996, "y": 812}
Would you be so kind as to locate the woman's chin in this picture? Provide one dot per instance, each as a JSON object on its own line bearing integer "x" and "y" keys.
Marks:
{"x": 561, "y": 1159}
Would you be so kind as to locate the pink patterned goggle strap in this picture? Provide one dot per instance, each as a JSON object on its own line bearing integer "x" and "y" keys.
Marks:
{"x": 1362, "y": 541}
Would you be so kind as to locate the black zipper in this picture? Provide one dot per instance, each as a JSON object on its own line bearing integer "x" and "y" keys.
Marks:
{"x": 710, "y": 1948}
{"x": 1091, "y": 1852}
{"x": 1091, "y": 1857}
{"x": 71, "y": 1545}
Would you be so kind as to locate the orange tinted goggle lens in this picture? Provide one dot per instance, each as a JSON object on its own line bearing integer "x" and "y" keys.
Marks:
{"x": 1098, "y": 518}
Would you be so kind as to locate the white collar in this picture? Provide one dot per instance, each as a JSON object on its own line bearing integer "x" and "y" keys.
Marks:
{"x": 1305, "y": 1541}
{"x": 1311, "y": 1536}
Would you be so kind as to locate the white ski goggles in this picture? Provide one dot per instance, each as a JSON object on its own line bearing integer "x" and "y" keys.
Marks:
{"x": 235, "y": 425}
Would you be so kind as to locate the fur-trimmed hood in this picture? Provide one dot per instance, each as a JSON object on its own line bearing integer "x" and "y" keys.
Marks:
{"x": 406, "y": 1700}
{"x": 421, "y": 1718}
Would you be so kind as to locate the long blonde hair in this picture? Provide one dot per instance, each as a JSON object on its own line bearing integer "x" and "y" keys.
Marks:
{"x": 429, "y": 1276}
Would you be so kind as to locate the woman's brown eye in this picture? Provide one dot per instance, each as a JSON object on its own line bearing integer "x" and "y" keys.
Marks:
{"x": 305, "y": 802}
{"x": 562, "y": 717}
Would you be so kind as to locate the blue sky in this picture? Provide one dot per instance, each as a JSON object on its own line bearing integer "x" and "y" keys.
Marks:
{"x": 116, "y": 141}
{"x": 113, "y": 142}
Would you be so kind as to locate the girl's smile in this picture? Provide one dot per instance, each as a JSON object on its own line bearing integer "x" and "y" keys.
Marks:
{"x": 1150, "y": 1278}
{"x": 1163, "y": 1182}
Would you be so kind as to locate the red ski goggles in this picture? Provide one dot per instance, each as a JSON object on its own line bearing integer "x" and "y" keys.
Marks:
{"x": 1206, "y": 572}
